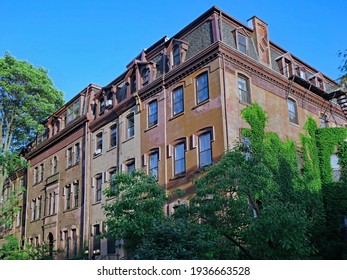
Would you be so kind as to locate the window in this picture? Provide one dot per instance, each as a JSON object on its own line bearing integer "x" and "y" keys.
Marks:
{"x": 36, "y": 175}
{"x": 335, "y": 165}
{"x": 74, "y": 242}
{"x": 287, "y": 68}
{"x": 18, "y": 217}
{"x": 42, "y": 170}
{"x": 323, "y": 119}
{"x": 102, "y": 104}
{"x": 244, "y": 92}
{"x": 241, "y": 43}
{"x": 177, "y": 100}
{"x": 113, "y": 136}
{"x": 152, "y": 113}
{"x": 77, "y": 151}
{"x": 109, "y": 101}
{"x": 205, "y": 149}
{"x": 68, "y": 197}
{"x": 153, "y": 164}
{"x": 111, "y": 245}
{"x": 133, "y": 83}
{"x": 202, "y": 88}
{"x": 130, "y": 124}
{"x": 176, "y": 55}
{"x": 55, "y": 165}
{"x": 292, "y": 111}
{"x": 73, "y": 111}
{"x": 69, "y": 157}
{"x": 98, "y": 187}
{"x": 96, "y": 238}
{"x": 51, "y": 203}
{"x": 113, "y": 185}
{"x": 131, "y": 167}
{"x": 179, "y": 159}
{"x": 98, "y": 143}
{"x": 145, "y": 76}
{"x": 76, "y": 191}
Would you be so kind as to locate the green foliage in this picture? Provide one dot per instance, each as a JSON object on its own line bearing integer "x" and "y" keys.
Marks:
{"x": 11, "y": 250}
{"x": 328, "y": 141}
{"x": 27, "y": 97}
{"x": 182, "y": 239}
{"x": 10, "y": 207}
{"x": 137, "y": 205}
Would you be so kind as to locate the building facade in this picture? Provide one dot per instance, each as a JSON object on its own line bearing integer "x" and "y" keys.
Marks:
{"x": 175, "y": 109}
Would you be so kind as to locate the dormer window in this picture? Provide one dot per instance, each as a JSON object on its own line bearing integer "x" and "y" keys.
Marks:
{"x": 102, "y": 104}
{"x": 176, "y": 55}
{"x": 301, "y": 72}
{"x": 241, "y": 42}
{"x": 318, "y": 80}
{"x": 145, "y": 76}
{"x": 285, "y": 65}
{"x": 133, "y": 83}
{"x": 109, "y": 101}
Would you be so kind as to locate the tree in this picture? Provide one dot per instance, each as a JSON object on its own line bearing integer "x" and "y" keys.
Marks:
{"x": 12, "y": 251}
{"x": 27, "y": 97}
{"x": 252, "y": 196}
{"x": 137, "y": 205}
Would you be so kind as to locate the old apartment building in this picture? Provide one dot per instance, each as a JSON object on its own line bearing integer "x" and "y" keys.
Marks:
{"x": 175, "y": 109}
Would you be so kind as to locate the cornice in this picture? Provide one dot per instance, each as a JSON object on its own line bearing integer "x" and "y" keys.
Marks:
{"x": 269, "y": 75}
{"x": 67, "y": 131}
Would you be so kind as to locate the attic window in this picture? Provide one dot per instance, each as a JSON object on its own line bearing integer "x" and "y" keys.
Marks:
{"x": 241, "y": 42}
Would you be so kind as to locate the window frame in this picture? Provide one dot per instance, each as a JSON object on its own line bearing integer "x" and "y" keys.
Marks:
{"x": 99, "y": 142}
{"x": 179, "y": 101}
{"x": 293, "y": 119}
{"x": 98, "y": 188}
{"x": 69, "y": 157}
{"x": 152, "y": 168}
{"x": 113, "y": 135}
{"x": 181, "y": 145}
{"x": 203, "y": 90}
{"x": 244, "y": 93}
{"x": 130, "y": 128}
{"x": 152, "y": 113}
{"x": 176, "y": 55}
{"x": 209, "y": 134}
{"x": 240, "y": 45}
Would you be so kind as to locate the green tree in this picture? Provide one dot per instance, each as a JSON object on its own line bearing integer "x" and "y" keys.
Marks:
{"x": 12, "y": 250}
{"x": 137, "y": 205}
{"x": 252, "y": 196}
{"x": 27, "y": 97}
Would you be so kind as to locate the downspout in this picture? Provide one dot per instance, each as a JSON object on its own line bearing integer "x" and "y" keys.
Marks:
{"x": 165, "y": 133}
{"x": 225, "y": 105}
{"x": 224, "y": 83}
{"x": 83, "y": 233}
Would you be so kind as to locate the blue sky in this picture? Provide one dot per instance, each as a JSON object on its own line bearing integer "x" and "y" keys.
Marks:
{"x": 86, "y": 41}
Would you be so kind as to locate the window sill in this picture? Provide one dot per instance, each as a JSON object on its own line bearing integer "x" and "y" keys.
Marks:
{"x": 294, "y": 124}
{"x": 111, "y": 148}
{"x": 128, "y": 139}
{"x": 96, "y": 203}
{"x": 72, "y": 166}
{"x": 176, "y": 116}
{"x": 244, "y": 103}
{"x": 201, "y": 103}
{"x": 69, "y": 210}
{"x": 178, "y": 176}
{"x": 152, "y": 127}
{"x": 96, "y": 156}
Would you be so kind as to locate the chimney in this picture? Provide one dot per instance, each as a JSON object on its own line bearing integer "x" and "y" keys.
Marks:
{"x": 261, "y": 39}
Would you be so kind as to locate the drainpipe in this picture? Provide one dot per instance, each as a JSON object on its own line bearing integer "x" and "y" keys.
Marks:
{"x": 225, "y": 104}
{"x": 165, "y": 132}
